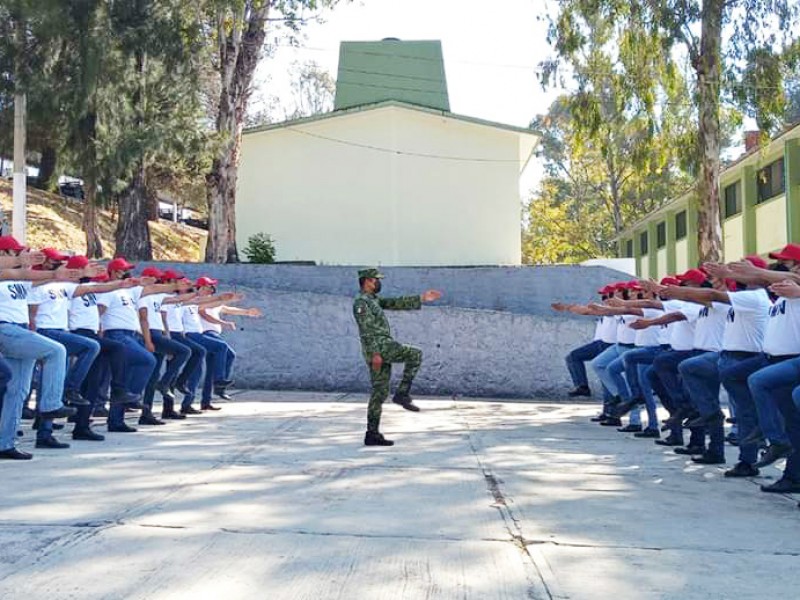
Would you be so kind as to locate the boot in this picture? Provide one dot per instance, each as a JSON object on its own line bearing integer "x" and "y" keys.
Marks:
{"x": 404, "y": 400}
{"x": 373, "y": 438}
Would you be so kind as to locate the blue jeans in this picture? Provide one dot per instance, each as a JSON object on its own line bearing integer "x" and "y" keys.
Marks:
{"x": 579, "y": 356}
{"x": 601, "y": 366}
{"x": 5, "y": 377}
{"x": 734, "y": 370}
{"x": 165, "y": 346}
{"x": 21, "y": 348}
{"x": 193, "y": 370}
{"x": 216, "y": 350}
{"x": 780, "y": 377}
{"x": 667, "y": 383}
{"x": 230, "y": 355}
{"x": 139, "y": 367}
{"x": 700, "y": 375}
{"x": 638, "y": 366}
{"x": 84, "y": 350}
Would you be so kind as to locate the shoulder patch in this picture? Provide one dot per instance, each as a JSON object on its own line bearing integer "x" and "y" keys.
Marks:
{"x": 360, "y": 308}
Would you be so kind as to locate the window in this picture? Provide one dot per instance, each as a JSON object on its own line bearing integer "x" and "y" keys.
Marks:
{"x": 643, "y": 243}
{"x": 661, "y": 234}
{"x": 770, "y": 181}
{"x": 680, "y": 225}
{"x": 629, "y": 248}
{"x": 733, "y": 199}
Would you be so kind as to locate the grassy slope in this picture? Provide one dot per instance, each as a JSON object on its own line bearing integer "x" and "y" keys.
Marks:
{"x": 56, "y": 221}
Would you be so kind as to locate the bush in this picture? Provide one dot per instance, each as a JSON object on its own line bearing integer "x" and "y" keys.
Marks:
{"x": 260, "y": 249}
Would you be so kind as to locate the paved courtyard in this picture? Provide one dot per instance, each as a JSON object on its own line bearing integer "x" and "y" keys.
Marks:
{"x": 274, "y": 497}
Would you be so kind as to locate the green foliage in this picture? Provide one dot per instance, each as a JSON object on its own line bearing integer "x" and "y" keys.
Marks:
{"x": 260, "y": 249}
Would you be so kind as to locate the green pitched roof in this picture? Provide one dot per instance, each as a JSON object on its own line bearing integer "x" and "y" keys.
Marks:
{"x": 411, "y": 72}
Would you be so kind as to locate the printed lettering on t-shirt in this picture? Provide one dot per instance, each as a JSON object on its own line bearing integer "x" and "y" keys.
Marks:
{"x": 89, "y": 300}
{"x": 17, "y": 291}
{"x": 703, "y": 313}
{"x": 779, "y": 308}
{"x": 731, "y": 315}
{"x": 124, "y": 301}
{"x": 57, "y": 294}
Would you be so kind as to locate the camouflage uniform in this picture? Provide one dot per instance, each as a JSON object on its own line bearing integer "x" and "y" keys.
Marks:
{"x": 376, "y": 337}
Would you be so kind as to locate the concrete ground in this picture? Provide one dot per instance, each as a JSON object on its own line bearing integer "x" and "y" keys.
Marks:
{"x": 274, "y": 497}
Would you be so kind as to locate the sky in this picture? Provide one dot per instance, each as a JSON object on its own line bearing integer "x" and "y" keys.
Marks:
{"x": 491, "y": 53}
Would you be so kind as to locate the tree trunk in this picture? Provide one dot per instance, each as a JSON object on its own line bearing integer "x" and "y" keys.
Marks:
{"x": 708, "y": 65}
{"x": 94, "y": 247}
{"x": 239, "y": 50}
{"x": 47, "y": 179}
{"x": 133, "y": 234}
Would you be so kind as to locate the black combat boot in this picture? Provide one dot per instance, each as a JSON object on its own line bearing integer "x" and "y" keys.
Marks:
{"x": 373, "y": 438}
{"x": 404, "y": 400}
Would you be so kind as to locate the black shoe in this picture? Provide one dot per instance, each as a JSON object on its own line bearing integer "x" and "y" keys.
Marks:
{"x": 716, "y": 418}
{"x": 690, "y": 450}
{"x": 172, "y": 415}
{"x": 581, "y": 390}
{"x": 670, "y": 441}
{"x": 773, "y": 453}
{"x": 181, "y": 387}
{"x": 14, "y": 454}
{"x": 623, "y": 408}
{"x": 121, "y": 396}
{"x": 58, "y": 426}
{"x": 209, "y": 406}
{"x": 709, "y": 459}
{"x": 732, "y": 439}
{"x": 101, "y": 412}
{"x": 165, "y": 392}
{"x": 600, "y": 417}
{"x": 150, "y": 419}
{"x": 223, "y": 382}
{"x": 28, "y": 414}
{"x": 191, "y": 411}
{"x": 406, "y": 402}
{"x": 782, "y": 486}
{"x": 121, "y": 429}
{"x": 611, "y": 422}
{"x": 373, "y": 438}
{"x": 675, "y": 419}
{"x": 59, "y": 413}
{"x": 648, "y": 433}
{"x": 630, "y": 429}
{"x": 51, "y": 442}
{"x": 87, "y": 435}
{"x": 742, "y": 469}
{"x": 756, "y": 437}
{"x": 222, "y": 393}
{"x": 74, "y": 398}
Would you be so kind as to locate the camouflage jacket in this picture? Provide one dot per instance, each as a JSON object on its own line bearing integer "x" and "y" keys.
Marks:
{"x": 373, "y": 326}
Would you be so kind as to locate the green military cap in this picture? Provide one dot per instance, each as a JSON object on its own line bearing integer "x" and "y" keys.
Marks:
{"x": 371, "y": 272}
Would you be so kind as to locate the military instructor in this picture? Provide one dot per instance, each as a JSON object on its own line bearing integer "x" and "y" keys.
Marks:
{"x": 380, "y": 350}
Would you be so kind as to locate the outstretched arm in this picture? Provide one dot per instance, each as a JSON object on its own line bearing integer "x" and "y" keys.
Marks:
{"x": 663, "y": 320}
{"x": 697, "y": 295}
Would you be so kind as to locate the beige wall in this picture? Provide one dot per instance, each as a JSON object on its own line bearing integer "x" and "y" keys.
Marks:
{"x": 644, "y": 266}
{"x": 681, "y": 256}
{"x": 337, "y": 203}
{"x": 661, "y": 263}
{"x": 771, "y": 225}
{"x": 733, "y": 238}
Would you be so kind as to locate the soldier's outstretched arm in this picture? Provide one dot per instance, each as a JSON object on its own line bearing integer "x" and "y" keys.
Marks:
{"x": 401, "y": 303}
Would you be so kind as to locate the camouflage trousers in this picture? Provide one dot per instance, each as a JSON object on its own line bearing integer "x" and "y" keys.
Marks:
{"x": 393, "y": 353}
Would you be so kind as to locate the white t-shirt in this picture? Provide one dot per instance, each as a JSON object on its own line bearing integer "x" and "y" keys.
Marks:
{"x": 651, "y": 336}
{"x": 215, "y": 312}
{"x": 682, "y": 333}
{"x": 191, "y": 319}
{"x": 121, "y": 310}
{"x": 83, "y": 313}
{"x": 783, "y": 328}
{"x": 608, "y": 329}
{"x": 597, "y": 329}
{"x": 747, "y": 321}
{"x": 710, "y": 327}
{"x": 174, "y": 317}
{"x": 153, "y": 305}
{"x": 53, "y": 301}
{"x": 626, "y": 335}
{"x": 14, "y": 301}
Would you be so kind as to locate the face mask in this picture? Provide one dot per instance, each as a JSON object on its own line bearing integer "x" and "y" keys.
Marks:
{"x": 377, "y": 286}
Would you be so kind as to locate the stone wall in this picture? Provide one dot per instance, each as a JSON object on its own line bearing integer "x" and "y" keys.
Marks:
{"x": 492, "y": 334}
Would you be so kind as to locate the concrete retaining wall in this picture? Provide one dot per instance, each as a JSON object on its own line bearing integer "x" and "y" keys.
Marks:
{"x": 493, "y": 333}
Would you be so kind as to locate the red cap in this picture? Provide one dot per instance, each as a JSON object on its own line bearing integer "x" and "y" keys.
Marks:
{"x": 8, "y": 242}
{"x": 119, "y": 264}
{"x": 152, "y": 272}
{"x": 206, "y": 281}
{"x": 633, "y": 285}
{"x": 731, "y": 285}
{"x": 671, "y": 280}
{"x": 757, "y": 261}
{"x": 77, "y": 262}
{"x": 171, "y": 274}
{"x": 693, "y": 275}
{"x": 53, "y": 254}
{"x": 606, "y": 289}
{"x": 789, "y": 252}
{"x": 102, "y": 278}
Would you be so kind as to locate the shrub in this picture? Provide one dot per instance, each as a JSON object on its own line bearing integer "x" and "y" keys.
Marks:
{"x": 260, "y": 249}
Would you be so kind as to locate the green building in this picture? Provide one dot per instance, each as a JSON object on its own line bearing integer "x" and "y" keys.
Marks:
{"x": 760, "y": 208}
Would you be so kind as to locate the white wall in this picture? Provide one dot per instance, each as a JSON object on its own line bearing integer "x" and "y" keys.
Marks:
{"x": 337, "y": 203}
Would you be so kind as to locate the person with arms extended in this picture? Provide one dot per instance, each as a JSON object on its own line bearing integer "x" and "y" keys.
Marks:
{"x": 380, "y": 350}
